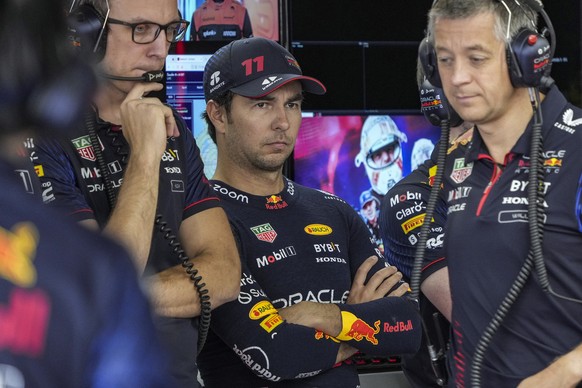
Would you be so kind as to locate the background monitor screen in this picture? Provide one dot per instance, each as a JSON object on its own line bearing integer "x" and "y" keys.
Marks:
{"x": 328, "y": 153}
{"x": 184, "y": 91}
{"x": 263, "y": 16}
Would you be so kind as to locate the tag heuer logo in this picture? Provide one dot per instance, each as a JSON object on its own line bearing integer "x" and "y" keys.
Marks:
{"x": 84, "y": 148}
{"x": 461, "y": 171}
{"x": 264, "y": 232}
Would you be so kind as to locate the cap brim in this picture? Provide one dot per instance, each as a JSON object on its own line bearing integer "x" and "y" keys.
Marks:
{"x": 262, "y": 86}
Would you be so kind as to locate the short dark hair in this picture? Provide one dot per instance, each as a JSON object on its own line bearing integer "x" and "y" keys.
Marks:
{"x": 222, "y": 100}
{"x": 522, "y": 15}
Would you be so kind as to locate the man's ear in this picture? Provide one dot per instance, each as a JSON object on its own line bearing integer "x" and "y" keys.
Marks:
{"x": 217, "y": 115}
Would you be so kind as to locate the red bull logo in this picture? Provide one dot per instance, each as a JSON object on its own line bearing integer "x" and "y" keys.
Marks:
{"x": 17, "y": 252}
{"x": 24, "y": 322}
{"x": 275, "y": 202}
{"x": 553, "y": 162}
{"x": 321, "y": 335}
{"x": 398, "y": 327}
{"x": 357, "y": 329}
{"x": 430, "y": 104}
{"x": 361, "y": 329}
{"x": 274, "y": 199}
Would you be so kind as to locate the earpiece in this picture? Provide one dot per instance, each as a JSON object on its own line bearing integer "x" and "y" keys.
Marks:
{"x": 529, "y": 54}
{"x": 427, "y": 58}
{"x": 528, "y": 58}
{"x": 435, "y": 107}
{"x": 87, "y": 32}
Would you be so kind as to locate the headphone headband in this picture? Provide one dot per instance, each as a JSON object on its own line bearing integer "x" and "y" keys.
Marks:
{"x": 529, "y": 53}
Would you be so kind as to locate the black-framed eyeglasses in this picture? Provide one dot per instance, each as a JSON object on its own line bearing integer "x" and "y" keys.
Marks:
{"x": 147, "y": 32}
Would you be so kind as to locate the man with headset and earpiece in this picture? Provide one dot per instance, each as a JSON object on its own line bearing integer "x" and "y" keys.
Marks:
{"x": 72, "y": 312}
{"x": 401, "y": 236}
{"x": 514, "y": 223}
{"x": 134, "y": 172}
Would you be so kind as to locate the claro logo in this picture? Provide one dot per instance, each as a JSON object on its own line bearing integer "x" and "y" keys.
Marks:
{"x": 318, "y": 229}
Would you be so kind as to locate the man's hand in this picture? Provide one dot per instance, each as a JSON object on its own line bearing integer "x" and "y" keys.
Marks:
{"x": 379, "y": 284}
{"x": 146, "y": 122}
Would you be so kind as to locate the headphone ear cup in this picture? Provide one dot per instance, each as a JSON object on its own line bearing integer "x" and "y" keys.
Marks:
{"x": 86, "y": 32}
{"x": 528, "y": 58}
{"x": 427, "y": 58}
{"x": 435, "y": 106}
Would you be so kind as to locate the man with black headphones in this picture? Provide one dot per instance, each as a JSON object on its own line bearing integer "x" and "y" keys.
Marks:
{"x": 72, "y": 313}
{"x": 402, "y": 208}
{"x": 514, "y": 223}
{"x": 134, "y": 172}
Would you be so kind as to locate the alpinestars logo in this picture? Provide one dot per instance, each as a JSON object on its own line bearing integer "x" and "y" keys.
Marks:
{"x": 215, "y": 81}
{"x": 567, "y": 118}
{"x": 215, "y": 78}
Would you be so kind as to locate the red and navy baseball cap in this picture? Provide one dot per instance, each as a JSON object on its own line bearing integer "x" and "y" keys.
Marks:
{"x": 253, "y": 67}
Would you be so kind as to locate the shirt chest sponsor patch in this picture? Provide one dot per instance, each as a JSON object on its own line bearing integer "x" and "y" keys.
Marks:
{"x": 264, "y": 232}
{"x": 461, "y": 171}
{"x": 85, "y": 148}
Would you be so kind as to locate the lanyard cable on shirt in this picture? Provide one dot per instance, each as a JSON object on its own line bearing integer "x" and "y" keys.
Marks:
{"x": 415, "y": 275}
{"x": 535, "y": 256}
{"x": 205, "y": 306}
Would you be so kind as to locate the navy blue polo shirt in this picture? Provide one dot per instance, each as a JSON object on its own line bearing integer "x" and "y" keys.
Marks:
{"x": 487, "y": 242}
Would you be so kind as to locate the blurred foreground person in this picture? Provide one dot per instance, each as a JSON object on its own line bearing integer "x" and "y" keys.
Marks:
{"x": 72, "y": 313}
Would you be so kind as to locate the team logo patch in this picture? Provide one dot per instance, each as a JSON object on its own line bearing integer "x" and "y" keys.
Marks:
{"x": 85, "y": 148}
{"x": 17, "y": 252}
{"x": 264, "y": 232}
{"x": 461, "y": 171}
{"x": 275, "y": 202}
{"x": 553, "y": 162}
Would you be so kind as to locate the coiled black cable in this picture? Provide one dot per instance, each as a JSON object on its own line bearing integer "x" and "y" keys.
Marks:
{"x": 430, "y": 208}
{"x": 205, "y": 306}
{"x": 535, "y": 255}
{"x": 422, "y": 239}
{"x": 90, "y": 121}
{"x": 204, "y": 297}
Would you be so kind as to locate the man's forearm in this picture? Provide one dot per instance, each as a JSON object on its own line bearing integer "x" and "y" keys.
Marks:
{"x": 132, "y": 219}
{"x": 325, "y": 317}
{"x": 173, "y": 294}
